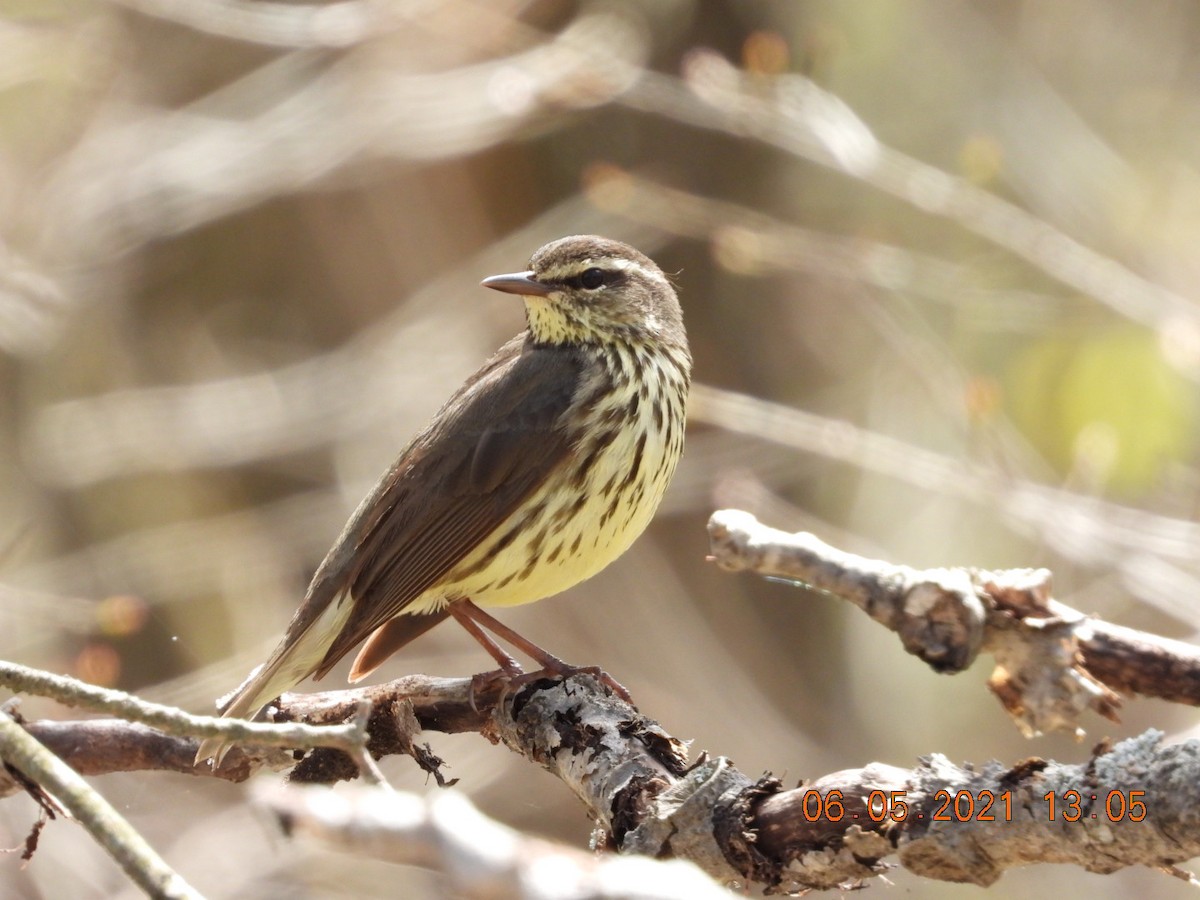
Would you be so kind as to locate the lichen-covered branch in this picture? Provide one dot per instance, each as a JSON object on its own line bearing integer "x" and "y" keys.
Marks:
{"x": 1135, "y": 803}
{"x": 1132, "y": 804}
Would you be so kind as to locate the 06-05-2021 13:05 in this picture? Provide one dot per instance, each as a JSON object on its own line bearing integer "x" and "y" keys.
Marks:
{"x": 977, "y": 806}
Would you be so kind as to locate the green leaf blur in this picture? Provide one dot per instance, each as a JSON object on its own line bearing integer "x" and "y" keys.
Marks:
{"x": 1107, "y": 409}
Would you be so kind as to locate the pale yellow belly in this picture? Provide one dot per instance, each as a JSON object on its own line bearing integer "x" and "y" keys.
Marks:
{"x": 572, "y": 551}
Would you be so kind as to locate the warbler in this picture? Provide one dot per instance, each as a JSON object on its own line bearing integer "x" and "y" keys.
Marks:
{"x": 536, "y": 474}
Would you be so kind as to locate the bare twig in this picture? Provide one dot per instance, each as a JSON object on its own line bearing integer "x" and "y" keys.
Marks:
{"x": 350, "y": 738}
{"x": 100, "y": 746}
{"x": 280, "y": 24}
{"x": 139, "y": 860}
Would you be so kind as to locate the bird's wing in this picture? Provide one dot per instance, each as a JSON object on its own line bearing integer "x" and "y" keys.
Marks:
{"x": 488, "y": 450}
{"x": 493, "y": 443}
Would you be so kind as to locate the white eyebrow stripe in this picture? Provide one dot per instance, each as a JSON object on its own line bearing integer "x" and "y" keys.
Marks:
{"x": 611, "y": 262}
{"x": 632, "y": 265}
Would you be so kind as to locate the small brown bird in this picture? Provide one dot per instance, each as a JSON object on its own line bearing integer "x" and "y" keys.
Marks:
{"x": 541, "y": 470}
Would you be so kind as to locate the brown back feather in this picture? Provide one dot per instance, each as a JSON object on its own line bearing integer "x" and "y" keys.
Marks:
{"x": 494, "y": 444}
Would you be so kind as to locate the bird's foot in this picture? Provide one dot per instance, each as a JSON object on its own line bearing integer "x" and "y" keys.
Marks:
{"x": 498, "y": 679}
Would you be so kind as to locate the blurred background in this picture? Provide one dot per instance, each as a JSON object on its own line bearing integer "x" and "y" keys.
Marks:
{"x": 937, "y": 261}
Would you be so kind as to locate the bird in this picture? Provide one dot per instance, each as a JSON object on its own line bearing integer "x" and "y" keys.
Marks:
{"x": 537, "y": 473}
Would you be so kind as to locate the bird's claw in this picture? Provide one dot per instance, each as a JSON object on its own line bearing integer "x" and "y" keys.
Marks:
{"x": 485, "y": 682}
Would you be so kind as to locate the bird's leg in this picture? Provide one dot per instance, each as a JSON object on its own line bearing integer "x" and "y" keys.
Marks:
{"x": 509, "y": 668}
{"x": 464, "y": 612}
{"x": 474, "y": 619}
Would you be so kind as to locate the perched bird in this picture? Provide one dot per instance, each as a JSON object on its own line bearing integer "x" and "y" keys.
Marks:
{"x": 541, "y": 470}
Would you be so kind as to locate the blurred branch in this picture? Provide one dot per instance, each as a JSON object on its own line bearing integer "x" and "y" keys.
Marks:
{"x": 30, "y": 302}
{"x": 330, "y": 25}
{"x": 164, "y": 172}
{"x": 1052, "y": 662}
{"x": 282, "y": 24}
{"x": 46, "y": 772}
{"x": 480, "y": 857}
{"x": 636, "y": 783}
{"x": 336, "y": 395}
{"x": 1151, "y": 552}
{"x": 747, "y": 241}
{"x": 796, "y": 115}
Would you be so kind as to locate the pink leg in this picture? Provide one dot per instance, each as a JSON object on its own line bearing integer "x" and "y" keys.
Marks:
{"x": 462, "y": 612}
{"x": 474, "y": 620}
{"x": 466, "y": 611}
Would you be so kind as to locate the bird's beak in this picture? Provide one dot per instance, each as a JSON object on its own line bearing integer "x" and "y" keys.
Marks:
{"x": 518, "y": 283}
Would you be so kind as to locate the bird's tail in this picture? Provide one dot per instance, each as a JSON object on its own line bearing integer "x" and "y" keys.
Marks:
{"x": 390, "y": 637}
{"x": 296, "y": 657}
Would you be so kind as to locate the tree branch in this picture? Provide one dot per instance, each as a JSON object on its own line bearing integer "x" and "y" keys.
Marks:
{"x": 945, "y": 822}
{"x": 349, "y": 737}
{"x": 1124, "y": 806}
{"x": 1133, "y": 804}
{"x": 398, "y": 711}
{"x": 1052, "y": 661}
{"x": 148, "y": 870}
{"x": 479, "y": 856}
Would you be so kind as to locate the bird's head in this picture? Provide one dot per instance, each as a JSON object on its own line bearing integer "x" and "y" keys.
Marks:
{"x": 587, "y": 289}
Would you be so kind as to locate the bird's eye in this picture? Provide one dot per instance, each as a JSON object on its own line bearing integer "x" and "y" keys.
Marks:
{"x": 592, "y": 278}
